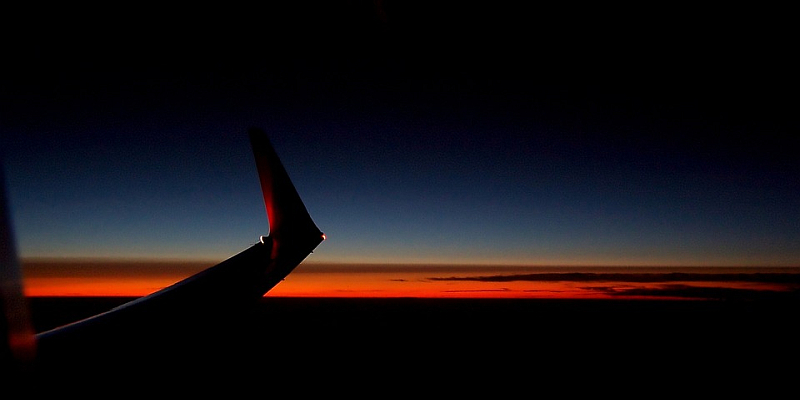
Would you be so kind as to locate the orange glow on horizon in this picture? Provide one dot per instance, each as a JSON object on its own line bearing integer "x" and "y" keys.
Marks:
{"x": 76, "y": 278}
{"x": 133, "y": 279}
{"x": 93, "y": 287}
{"x": 136, "y": 279}
{"x": 410, "y": 284}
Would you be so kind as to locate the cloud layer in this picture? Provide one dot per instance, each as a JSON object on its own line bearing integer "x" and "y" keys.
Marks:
{"x": 720, "y": 286}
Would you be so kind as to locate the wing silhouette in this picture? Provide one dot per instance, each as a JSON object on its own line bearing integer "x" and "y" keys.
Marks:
{"x": 196, "y": 310}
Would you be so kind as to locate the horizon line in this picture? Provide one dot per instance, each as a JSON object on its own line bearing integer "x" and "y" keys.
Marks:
{"x": 412, "y": 264}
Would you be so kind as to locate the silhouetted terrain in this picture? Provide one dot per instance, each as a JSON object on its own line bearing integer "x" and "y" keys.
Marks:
{"x": 490, "y": 341}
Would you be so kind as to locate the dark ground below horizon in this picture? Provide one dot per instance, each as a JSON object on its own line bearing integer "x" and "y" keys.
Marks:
{"x": 478, "y": 341}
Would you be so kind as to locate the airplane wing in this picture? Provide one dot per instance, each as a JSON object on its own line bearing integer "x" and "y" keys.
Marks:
{"x": 209, "y": 300}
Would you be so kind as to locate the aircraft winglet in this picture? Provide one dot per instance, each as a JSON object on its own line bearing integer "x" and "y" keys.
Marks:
{"x": 203, "y": 305}
{"x": 288, "y": 217}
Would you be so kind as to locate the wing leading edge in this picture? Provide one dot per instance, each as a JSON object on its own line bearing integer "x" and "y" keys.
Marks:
{"x": 199, "y": 301}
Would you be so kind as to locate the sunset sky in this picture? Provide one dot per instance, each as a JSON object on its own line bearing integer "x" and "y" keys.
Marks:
{"x": 418, "y": 138}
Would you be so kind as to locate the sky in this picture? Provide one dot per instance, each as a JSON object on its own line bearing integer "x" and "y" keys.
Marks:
{"x": 416, "y": 134}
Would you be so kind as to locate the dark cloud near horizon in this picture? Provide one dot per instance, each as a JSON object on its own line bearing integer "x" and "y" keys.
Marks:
{"x": 789, "y": 282}
{"x": 781, "y": 278}
{"x": 709, "y": 293}
{"x": 477, "y": 290}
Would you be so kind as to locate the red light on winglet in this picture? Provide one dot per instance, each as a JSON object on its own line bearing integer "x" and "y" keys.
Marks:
{"x": 324, "y": 237}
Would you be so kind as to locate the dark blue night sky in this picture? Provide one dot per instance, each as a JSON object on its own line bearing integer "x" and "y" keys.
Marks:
{"x": 414, "y": 134}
